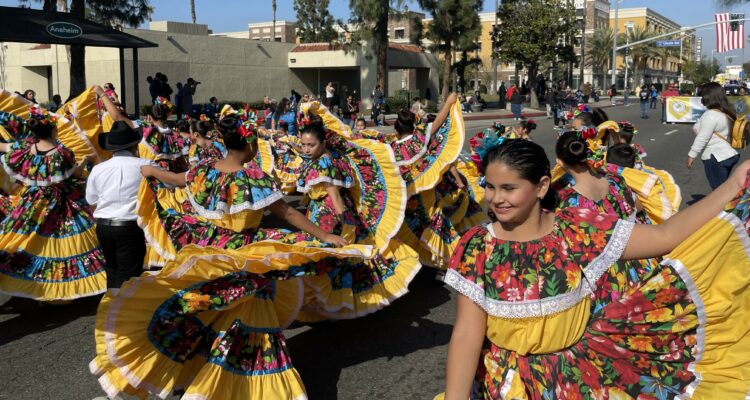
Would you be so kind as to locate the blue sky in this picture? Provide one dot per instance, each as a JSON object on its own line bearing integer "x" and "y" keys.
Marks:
{"x": 234, "y": 15}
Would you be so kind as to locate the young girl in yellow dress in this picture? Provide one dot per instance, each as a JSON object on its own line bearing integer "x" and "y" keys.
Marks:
{"x": 526, "y": 326}
{"x": 204, "y": 143}
{"x": 48, "y": 245}
{"x": 355, "y": 190}
{"x": 160, "y": 144}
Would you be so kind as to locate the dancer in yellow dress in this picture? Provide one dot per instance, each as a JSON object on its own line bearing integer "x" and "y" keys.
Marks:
{"x": 210, "y": 322}
{"x": 533, "y": 322}
{"x": 48, "y": 245}
{"x": 355, "y": 190}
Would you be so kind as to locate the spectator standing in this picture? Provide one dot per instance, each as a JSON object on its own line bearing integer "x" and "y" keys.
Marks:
{"x": 586, "y": 92}
{"x": 501, "y": 92}
{"x": 712, "y": 141}
{"x": 653, "y": 97}
{"x": 30, "y": 95}
{"x": 109, "y": 91}
{"x": 178, "y": 99}
{"x": 284, "y": 113}
{"x": 378, "y": 103}
{"x": 477, "y": 99}
{"x": 416, "y": 108}
{"x": 612, "y": 92}
{"x": 644, "y": 96}
{"x": 516, "y": 102}
{"x": 212, "y": 108}
{"x": 188, "y": 91}
{"x": 330, "y": 92}
{"x": 55, "y": 104}
{"x": 165, "y": 90}
{"x": 269, "y": 113}
{"x": 153, "y": 88}
{"x": 549, "y": 100}
{"x": 427, "y": 96}
{"x": 670, "y": 92}
{"x": 350, "y": 111}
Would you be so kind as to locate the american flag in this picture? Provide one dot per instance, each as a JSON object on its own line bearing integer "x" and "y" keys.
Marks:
{"x": 729, "y": 35}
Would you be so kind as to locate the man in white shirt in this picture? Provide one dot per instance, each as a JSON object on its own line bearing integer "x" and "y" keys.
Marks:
{"x": 112, "y": 187}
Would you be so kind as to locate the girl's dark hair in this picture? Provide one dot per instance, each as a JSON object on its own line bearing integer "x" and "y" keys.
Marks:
{"x": 361, "y": 119}
{"x": 626, "y": 133}
{"x": 315, "y": 128}
{"x": 528, "y": 159}
{"x": 571, "y": 149}
{"x": 598, "y": 116}
{"x": 232, "y": 138}
{"x": 202, "y": 128}
{"x": 621, "y": 154}
{"x": 528, "y": 124}
{"x": 158, "y": 112}
{"x": 405, "y": 122}
{"x": 281, "y": 108}
{"x": 183, "y": 125}
{"x": 714, "y": 97}
{"x": 283, "y": 125}
{"x": 40, "y": 130}
{"x": 585, "y": 118}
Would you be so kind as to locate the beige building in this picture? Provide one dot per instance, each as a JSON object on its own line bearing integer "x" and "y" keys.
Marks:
{"x": 661, "y": 69}
{"x": 232, "y": 69}
{"x": 285, "y": 31}
{"x": 591, "y": 15}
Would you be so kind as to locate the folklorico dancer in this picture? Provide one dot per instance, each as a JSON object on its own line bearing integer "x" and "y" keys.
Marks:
{"x": 210, "y": 322}
{"x": 354, "y": 190}
{"x": 160, "y": 143}
{"x": 48, "y": 238}
{"x": 533, "y": 320}
{"x": 205, "y": 142}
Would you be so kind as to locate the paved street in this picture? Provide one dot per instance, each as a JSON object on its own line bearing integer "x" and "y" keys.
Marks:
{"x": 398, "y": 353}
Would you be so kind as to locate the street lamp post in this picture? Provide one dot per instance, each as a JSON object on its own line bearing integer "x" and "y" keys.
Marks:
{"x": 494, "y": 59}
{"x": 614, "y": 47}
{"x": 583, "y": 46}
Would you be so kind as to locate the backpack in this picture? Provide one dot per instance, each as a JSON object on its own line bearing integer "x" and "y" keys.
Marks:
{"x": 738, "y": 133}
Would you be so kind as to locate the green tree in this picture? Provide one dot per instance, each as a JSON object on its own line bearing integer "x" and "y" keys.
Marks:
{"x": 467, "y": 60}
{"x": 531, "y": 35}
{"x": 700, "y": 72}
{"x": 599, "y": 51}
{"x": 115, "y": 13}
{"x": 370, "y": 17}
{"x": 314, "y": 22}
{"x": 455, "y": 25}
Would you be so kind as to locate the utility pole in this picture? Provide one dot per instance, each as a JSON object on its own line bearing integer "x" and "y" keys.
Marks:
{"x": 614, "y": 47}
{"x": 583, "y": 46}
{"x": 273, "y": 29}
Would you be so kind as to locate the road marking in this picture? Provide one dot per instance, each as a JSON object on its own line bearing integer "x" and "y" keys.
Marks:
{"x": 671, "y": 132}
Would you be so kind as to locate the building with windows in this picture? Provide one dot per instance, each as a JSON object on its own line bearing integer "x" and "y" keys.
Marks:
{"x": 649, "y": 64}
{"x": 591, "y": 16}
{"x": 285, "y": 31}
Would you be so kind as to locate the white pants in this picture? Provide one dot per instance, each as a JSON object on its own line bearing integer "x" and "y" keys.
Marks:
{"x": 549, "y": 110}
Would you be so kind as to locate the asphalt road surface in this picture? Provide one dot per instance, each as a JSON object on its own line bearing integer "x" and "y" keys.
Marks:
{"x": 397, "y": 353}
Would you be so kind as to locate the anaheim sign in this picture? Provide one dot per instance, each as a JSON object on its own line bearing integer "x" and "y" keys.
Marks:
{"x": 64, "y": 30}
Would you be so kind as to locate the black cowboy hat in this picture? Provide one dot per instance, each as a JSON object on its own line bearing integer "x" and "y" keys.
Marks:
{"x": 120, "y": 137}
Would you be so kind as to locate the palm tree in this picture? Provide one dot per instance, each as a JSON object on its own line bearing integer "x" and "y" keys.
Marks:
{"x": 599, "y": 50}
{"x": 641, "y": 53}
{"x": 192, "y": 10}
{"x": 665, "y": 53}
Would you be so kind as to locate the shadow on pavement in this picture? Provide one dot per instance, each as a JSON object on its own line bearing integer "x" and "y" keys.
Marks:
{"x": 322, "y": 352}
{"x": 34, "y": 318}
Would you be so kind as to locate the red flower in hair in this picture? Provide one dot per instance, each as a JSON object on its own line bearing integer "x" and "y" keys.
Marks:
{"x": 588, "y": 132}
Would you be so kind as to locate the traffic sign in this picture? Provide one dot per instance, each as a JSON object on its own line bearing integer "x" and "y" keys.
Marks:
{"x": 667, "y": 43}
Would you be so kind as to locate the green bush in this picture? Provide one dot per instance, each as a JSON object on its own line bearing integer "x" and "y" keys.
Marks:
{"x": 393, "y": 104}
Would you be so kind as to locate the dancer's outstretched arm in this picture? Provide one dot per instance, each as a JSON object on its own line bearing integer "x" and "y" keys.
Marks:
{"x": 170, "y": 178}
{"x": 648, "y": 241}
{"x": 443, "y": 114}
{"x": 282, "y": 210}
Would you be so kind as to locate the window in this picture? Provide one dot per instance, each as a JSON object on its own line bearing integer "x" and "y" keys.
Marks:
{"x": 399, "y": 33}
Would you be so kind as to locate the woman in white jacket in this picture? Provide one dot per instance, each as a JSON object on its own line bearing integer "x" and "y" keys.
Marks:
{"x": 713, "y": 139}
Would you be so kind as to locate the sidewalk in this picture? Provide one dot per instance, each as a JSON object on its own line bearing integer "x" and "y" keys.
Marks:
{"x": 492, "y": 113}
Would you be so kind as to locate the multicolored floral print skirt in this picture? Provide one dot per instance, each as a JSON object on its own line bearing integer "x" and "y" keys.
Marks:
{"x": 49, "y": 245}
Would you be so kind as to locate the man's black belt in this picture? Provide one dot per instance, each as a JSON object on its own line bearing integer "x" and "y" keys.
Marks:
{"x": 116, "y": 222}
